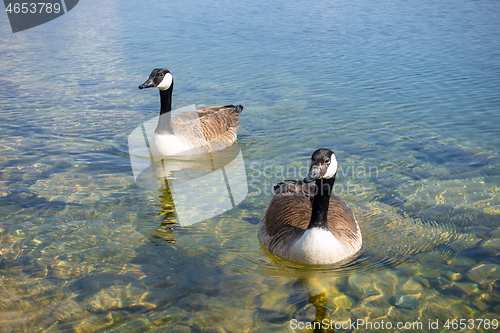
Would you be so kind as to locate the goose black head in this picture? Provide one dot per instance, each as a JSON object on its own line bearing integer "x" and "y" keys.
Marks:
{"x": 160, "y": 78}
{"x": 323, "y": 165}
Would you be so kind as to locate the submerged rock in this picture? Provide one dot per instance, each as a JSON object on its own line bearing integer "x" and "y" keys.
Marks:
{"x": 117, "y": 297}
{"x": 412, "y": 286}
{"x": 492, "y": 246}
{"x": 484, "y": 274}
{"x": 480, "y": 305}
{"x": 468, "y": 287}
{"x": 406, "y": 301}
{"x": 362, "y": 286}
{"x": 343, "y": 301}
{"x": 378, "y": 306}
{"x": 385, "y": 282}
{"x": 453, "y": 276}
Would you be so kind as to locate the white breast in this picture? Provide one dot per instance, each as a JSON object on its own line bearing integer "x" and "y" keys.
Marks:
{"x": 319, "y": 247}
{"x": 171, "y": 145}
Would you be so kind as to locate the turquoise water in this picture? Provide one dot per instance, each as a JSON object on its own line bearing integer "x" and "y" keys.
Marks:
{"x": 405, "y": 93}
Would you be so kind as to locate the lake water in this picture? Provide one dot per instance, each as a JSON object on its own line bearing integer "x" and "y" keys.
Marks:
{"x": 406, "y": 93}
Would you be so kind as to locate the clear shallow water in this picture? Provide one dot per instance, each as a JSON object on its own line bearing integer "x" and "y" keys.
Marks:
{"x": 406, "y": 95}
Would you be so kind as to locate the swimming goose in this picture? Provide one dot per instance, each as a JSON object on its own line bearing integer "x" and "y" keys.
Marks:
{"x": 190, "y": 133}
{"x": 308, "y": 224}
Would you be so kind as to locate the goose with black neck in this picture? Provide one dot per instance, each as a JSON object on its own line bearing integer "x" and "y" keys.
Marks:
{"x": 189, "y": 133}
{"x": 307, "y": 223}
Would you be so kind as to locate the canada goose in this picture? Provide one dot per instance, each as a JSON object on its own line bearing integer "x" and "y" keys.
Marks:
{"x": 306, "y": 223}
{"x": 190, "y": 133}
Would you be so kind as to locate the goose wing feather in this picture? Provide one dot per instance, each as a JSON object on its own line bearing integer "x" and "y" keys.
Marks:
{"x": 284, "y": 221}
{"x": 219, "y": 123}
{"x": 341, "y": 221}
{"x": 213, "y": 125}
{"x": 296, "y": 187}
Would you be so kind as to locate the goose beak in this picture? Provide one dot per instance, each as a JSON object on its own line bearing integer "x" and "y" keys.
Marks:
{"x": 312, "y": 175}
{"x": 148, "y": 84}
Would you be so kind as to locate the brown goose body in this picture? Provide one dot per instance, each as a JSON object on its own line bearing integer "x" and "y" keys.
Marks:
{"x": 211, "y": 128}
{"x": 287, "y": 230}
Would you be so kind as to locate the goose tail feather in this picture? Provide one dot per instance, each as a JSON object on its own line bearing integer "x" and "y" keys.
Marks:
{"x": 237, "y": 108}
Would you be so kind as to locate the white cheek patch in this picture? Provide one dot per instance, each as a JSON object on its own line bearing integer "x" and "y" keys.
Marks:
{"x": 166, "y": 82}
{"x": 332, "y": 168}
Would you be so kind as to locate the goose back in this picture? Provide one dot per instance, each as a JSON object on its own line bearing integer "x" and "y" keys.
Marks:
{"x": 212, "y": 127}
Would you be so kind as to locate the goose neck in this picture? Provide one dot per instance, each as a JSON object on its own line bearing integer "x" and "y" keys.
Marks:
{"x": 164, "y": 122}
{"x": 321, "y": 202}
{"x": 165, "y": 100}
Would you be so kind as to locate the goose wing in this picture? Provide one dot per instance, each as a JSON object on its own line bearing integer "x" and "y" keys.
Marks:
{"x": 213, "y": 127}
{"x": 297, "y": 187}
{"x": 287, "y": 216}
{"x": 341, "y": 221}
{"x": 219, "y": 123}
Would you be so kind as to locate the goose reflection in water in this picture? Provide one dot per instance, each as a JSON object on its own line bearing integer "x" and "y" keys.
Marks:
{"x": 191, "y": 190}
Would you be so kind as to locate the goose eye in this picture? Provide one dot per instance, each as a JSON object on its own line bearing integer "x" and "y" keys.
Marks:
{"x": 327, "y": 161}
{"x": 161, "y": 74}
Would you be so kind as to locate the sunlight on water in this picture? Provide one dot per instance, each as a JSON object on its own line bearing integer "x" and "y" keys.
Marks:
{"x": 93, "y": 237}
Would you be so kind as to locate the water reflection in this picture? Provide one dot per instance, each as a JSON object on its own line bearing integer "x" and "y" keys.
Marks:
{"x": 194, "y": 189}
{"x": 320, "y": 288}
